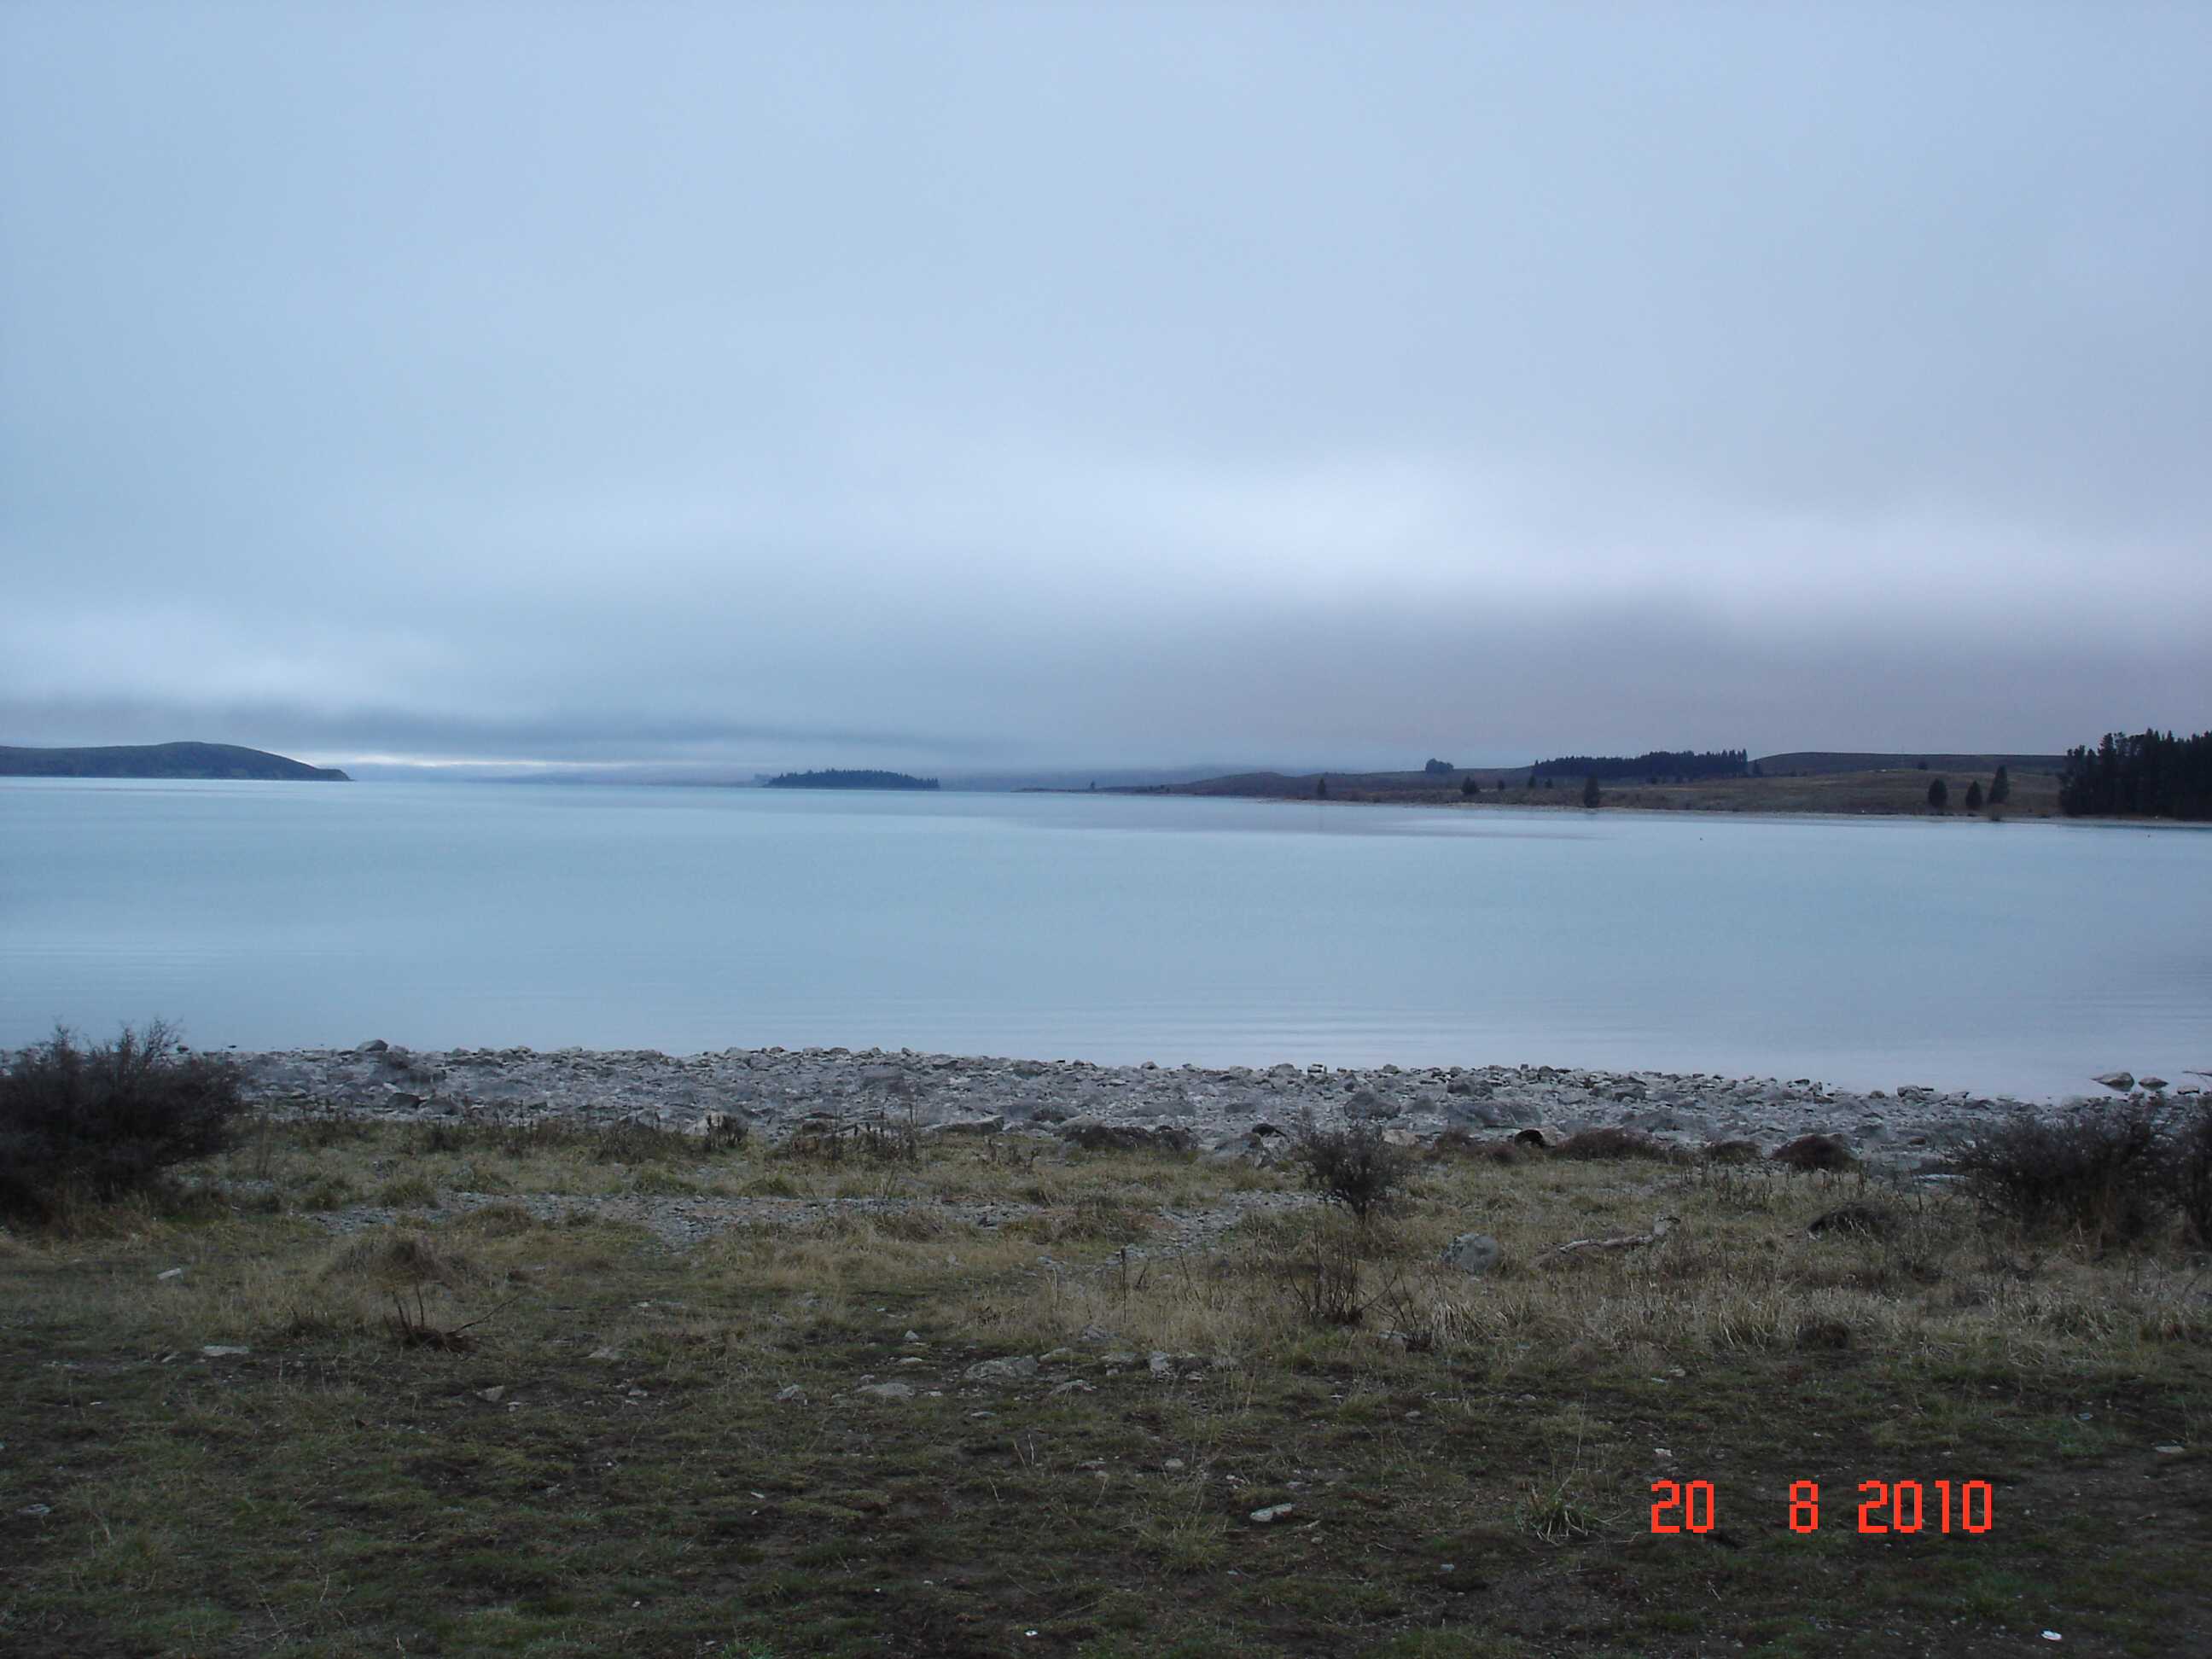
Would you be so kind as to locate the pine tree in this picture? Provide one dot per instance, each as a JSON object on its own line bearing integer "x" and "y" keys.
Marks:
{"x": 1938, "y": 795}
{"x": 2001, "y": 787}
{"x": 1590, "y": 796}
{"x": 1321, "y": 788}
{"x": 1468, "y": 787}
{"x": 1974, "y": 797}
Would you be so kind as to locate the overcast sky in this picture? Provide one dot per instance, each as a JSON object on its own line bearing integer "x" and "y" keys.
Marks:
{"x": 957, "y": 387}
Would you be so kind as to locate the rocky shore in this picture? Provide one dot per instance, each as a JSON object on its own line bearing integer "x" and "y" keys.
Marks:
{"x": 1231, "y": 1111}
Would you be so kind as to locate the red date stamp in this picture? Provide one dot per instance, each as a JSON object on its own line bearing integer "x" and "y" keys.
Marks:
{"x": 1885, "y": 1506}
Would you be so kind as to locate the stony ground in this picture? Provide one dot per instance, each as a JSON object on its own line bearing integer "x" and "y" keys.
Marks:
{"x": 778, "y": 1092}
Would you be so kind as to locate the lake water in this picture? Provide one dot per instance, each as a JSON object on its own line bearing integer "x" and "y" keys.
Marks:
{"x": 2022, "y": 957}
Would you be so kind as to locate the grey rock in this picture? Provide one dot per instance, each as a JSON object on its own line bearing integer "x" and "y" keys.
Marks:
{"x": 1472, "y": 1253}
{"x": 793, "y": 1395}
{"x": 373, "y": 1046}
{"x": 1481, "y": 1114}
{"x": 217, "y": 1351}
{"x": 1273, "y": 1513}
{"x": 886, "y": 1391}
{"x": 2122, "y": 1081}
{"x": 2153, "y": 1083}
{"x": 1161, "y": 1365}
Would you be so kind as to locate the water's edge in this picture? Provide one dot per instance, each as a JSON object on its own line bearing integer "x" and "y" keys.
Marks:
{"x": 1230, "y": 1111}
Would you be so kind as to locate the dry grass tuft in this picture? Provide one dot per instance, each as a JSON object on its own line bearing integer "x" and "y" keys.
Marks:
{"x": 403, "y": 1258}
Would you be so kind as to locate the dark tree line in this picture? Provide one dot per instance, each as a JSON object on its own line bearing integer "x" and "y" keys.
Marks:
{"x": 2143, "y": 775}
{"x": 1659, "y": 763}
{"x": 834, "y": 779}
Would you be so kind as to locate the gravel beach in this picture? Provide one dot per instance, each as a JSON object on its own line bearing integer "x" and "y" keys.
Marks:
{"x": 1228, "y": 1111}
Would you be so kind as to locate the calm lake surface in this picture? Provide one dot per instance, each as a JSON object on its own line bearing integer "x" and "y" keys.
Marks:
{"x": 2019, "y": 957}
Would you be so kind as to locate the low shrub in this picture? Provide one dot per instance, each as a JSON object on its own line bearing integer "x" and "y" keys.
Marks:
{"x": 1610, "y": 1142}
{"x": 1457, "y": 1146}
{"x": 2189, "y": 1162}
{"x": 1357, "y": 1167}
{"x": 102, "y": 1122}
{"x": 1810, "y": 1152}
{"x": 2095, "y": 1170}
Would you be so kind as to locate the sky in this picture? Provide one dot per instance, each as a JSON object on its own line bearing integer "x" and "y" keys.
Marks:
{"x": 973, "y": 388}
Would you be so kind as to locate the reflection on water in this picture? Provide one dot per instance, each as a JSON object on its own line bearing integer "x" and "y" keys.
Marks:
{"x": 2019, "y": 957}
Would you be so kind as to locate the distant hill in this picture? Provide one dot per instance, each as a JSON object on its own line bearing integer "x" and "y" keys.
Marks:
{"x": 837, "y": 780}
{"x": 1812, "y": 761}
{"x": 162, "y": 760}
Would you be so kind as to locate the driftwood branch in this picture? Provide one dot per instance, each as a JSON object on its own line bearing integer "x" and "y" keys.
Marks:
{"x": 1660, "y": 1228}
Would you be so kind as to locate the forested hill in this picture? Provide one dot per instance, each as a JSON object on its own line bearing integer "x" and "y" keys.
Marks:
{"x": 1811, "y": 761}
{"x": 162, "y": 760}
{"x": 836, "y": 779}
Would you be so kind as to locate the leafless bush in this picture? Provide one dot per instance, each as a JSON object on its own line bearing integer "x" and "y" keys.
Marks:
{"x": 2095, "y": 1170}
{"x": 2189, "y": 1170}
{"x": 101, "y": 1121}
{"x": 1357, "y": 1167}
{"x": 1326, "y": 1278}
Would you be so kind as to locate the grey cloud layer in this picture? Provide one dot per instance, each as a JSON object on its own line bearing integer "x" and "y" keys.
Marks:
{"x": 1281, "y": 384}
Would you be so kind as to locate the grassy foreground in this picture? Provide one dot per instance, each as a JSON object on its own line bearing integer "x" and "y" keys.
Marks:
{"x": 534, "y": 1428}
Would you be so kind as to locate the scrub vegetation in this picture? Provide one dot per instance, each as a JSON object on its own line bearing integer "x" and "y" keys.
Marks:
{"x": 354, "y": 1387}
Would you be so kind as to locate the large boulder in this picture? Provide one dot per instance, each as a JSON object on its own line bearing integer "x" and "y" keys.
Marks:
{"x": 1472, "y": 1253}
{"x": 1483, "y": 1114}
